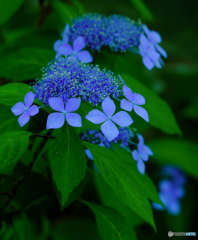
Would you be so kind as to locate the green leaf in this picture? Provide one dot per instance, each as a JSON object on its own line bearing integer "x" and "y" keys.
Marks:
{"x": 143, "y": 9}
{"x": 180, "y": 152}
{"x": 24, "y": 227}
{"x": 68, "y": 163}
{"x": 12, "y": 147}
{"x": 192, "y": 110}
{"x": 160, "y": 114}
{"x": 8, "y": 122}
{"x": 119, "y": 176}
{"x": 65, "y": 11}
{"x": 8, "y": 8}
{"x": 78, "y": 190}
{"x": 108, "y": 198}
{"x": 12, "y": 93}
{"x": 76, "y": 229}
{"x": 111, "y": 224}
{"x": 25, "y": 64}
{"x": 143, "y": 181}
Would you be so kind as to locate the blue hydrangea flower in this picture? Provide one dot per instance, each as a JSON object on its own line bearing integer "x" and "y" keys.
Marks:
{"x": 116, "y": 31}
{"x": 141, "y": 155}
{"x": 59, "y": 45}
{"x": 154, "y": 38}
{"x": 122, "y": 33}
{"x": 75, "y": 52}
{"x": 56, "y": 120}
{"x": 108, "y": 128}
{"x": 133, "y": 101}
{"x": 92, "y": 27}
{"x": 171, "y": 191}
{"x": 150, "y": 57}
{"x": 25, "y": 109}
{"x": 65, "y": 78}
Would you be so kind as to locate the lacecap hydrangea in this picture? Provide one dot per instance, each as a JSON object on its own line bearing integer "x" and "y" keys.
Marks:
{"x": 66, "y": 78}
{"x": 120, "y": 33}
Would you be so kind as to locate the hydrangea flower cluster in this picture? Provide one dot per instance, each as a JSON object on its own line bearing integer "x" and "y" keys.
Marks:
{"x": 118, "y": 32}
{"x": 65, "y": 78}
{"x": 66, "y": 82}
{"x": 171, "y": 190}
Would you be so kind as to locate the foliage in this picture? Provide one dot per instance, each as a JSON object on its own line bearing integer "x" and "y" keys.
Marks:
{"x": 107, "y": 147}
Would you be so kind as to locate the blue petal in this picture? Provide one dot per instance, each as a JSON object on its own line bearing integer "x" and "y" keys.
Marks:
{"x": 146, "y": 30}
{"x": 157, "y": 206}
{"x": 135, "y": 155}
{"x": 84, "y": 56}
{"x": 147, "y": 62}
{"x": 23, "y": 119}
{"x": 126, "y": 105}
{"x": 108, "y": 106}
{"x": 161, "y": 50}
{"x": 109, "y": 130}
{"x": 122, "y": 118}
{"x": 139, "y": 99}
{"x": 88, "y": 153}
{"x": 65, "y": 49}
{"x": 174, "y": 207}
{"x": 140, "y": 138}
{"x": 72, "y": 104}
{"x": 55, "y": 120}
{"x": 148, "y": 150}
{"x": 141, "y": 166}
{"x": 74, "y": 119}
{"x": 141, "y": 112}
{"x": 78, "y": 44}
{"x": 155, "y": 36}
{"x": 57, "y": 44}
{"x": 128, "y": 93}
{"x": 29, "y": 99}
{"x": 18, "y": 108}
{"x": 33, "y": 110}
{"x": 56, "y": 104}
{"x": 96, "y": 116}
{"x": 96, "y": 168}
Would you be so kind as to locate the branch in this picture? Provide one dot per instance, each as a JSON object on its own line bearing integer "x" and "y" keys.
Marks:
{"x": 43, "y": 136}
{"x": 27, "y": 171}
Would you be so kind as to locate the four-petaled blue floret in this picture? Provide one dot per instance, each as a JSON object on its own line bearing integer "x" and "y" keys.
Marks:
{"x": 25, "y": 109}
{"x": 106, "y": 117}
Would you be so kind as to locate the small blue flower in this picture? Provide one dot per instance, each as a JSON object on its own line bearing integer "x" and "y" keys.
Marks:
{"x": 171, "y": 190}
{"x": 59, "y": 45}
{"x": 26, "y": 110}
{"x": 75, "y": 52}
{"x": 150, "y": 57}
{"x": 56, "y": 120}
{"x": 133, "y": 101}
{"x": 108, "y": 128}
{"x": 155, "y": 38}
{"x": 141, "y": 154}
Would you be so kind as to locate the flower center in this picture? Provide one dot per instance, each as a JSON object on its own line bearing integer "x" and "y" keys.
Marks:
{"x": 64, "y": 112}
{"x": 26, "y": 109}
